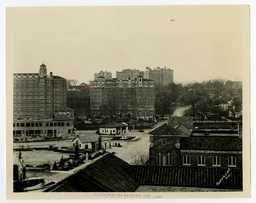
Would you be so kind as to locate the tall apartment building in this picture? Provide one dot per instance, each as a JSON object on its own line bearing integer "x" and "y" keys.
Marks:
{"x": 123, "y": 98}
{"x": 105, "y": 74}
{"x": 128, "y": 73}
{"x": 162, "y": 76}
{"x": 40, "y": 106}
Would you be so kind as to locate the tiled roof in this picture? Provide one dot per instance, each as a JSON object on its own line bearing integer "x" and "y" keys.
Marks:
{"x": 105, "y": 174}
{"x": 164, "y": 129}
{"x": 211, "y": 143}
{"x": 186, "y": 121}
{"x": 184, "y": 131}
{"x": 185, "y": 176}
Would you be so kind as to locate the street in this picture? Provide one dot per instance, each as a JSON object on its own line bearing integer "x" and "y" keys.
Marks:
{"x": 132, "y": 151}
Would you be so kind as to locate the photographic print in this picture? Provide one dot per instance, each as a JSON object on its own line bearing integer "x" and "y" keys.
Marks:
{"x": 128, "y": 101}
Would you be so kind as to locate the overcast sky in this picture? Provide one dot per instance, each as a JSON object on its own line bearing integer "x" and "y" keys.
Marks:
{"x": 198, "y": 42}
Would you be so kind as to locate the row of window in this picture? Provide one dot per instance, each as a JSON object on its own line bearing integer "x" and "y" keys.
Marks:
{"x": 37, "y": 110}
{"x": 201, "y": 160}
{"x": 18, "y": 133}
{"x": 124, "y": 85}
{"x": 39, "y": 124}
{"x": 109, "y": 131}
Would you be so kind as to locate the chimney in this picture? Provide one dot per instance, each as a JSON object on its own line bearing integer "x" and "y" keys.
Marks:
{"x": 51, "y": 74}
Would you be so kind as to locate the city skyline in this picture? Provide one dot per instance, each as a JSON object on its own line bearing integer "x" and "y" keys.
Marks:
{"x": 77, "y": 42}
{"x": 162, "y": 126}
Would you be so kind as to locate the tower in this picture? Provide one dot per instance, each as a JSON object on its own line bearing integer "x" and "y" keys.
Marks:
{"x": 42, "y": 71}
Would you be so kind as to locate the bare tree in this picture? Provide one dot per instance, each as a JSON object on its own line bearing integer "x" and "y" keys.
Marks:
{"x": 139, "y": 159}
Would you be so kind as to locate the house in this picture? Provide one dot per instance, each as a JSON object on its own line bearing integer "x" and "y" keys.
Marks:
{"x": 91, "y": 141}
{"x": 113, "y": 129}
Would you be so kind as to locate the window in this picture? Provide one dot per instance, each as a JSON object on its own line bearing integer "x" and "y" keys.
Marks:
{"x": 232, "y": 161}
{"x": 159, "y": 158}
{"x": 216, "y": 161}
{"x": 201, "y": 161}
{"x": 186, "y": 160}
{"x": 169, "y": 159}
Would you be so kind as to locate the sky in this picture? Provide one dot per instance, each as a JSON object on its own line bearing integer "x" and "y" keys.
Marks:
{"x": 198, "y": 42}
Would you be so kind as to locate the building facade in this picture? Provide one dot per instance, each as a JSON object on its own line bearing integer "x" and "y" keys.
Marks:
{"x": 105, "y": 74}
{"x": 134, "y": 98}
{"x": 113, "y": 129}
{"x": 40, "y": 106}
{"x": 164, "y": 146}
{"x": 128, "y": 74}
{"x": 161, "y": 76}
{"x": 200, "y": 149}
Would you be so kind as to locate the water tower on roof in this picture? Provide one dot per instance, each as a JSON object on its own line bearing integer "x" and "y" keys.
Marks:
{"x": 42, "y": 71}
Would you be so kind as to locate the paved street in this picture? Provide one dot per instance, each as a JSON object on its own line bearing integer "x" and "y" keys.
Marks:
{"x": 132, "y": 150}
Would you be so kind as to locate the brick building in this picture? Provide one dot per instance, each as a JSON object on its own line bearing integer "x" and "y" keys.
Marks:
{"x": 122, "y": 98}
{"x": 202, "y": 148}
{"x": 40, "y": 105}
{"x": 128, "y": 74}
{"x": 161, "y": 76}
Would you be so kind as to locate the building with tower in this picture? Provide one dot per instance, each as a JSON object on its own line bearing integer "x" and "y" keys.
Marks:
{"x": 40, "y": 106}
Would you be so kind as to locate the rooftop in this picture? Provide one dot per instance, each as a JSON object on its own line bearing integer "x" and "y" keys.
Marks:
{"x": 111, "y": 174}
{"x": 214, "y": 143}
{"x": 165, "y": 129}
{"x": 184, "y": 176}
{"x": 104, "y": 175}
